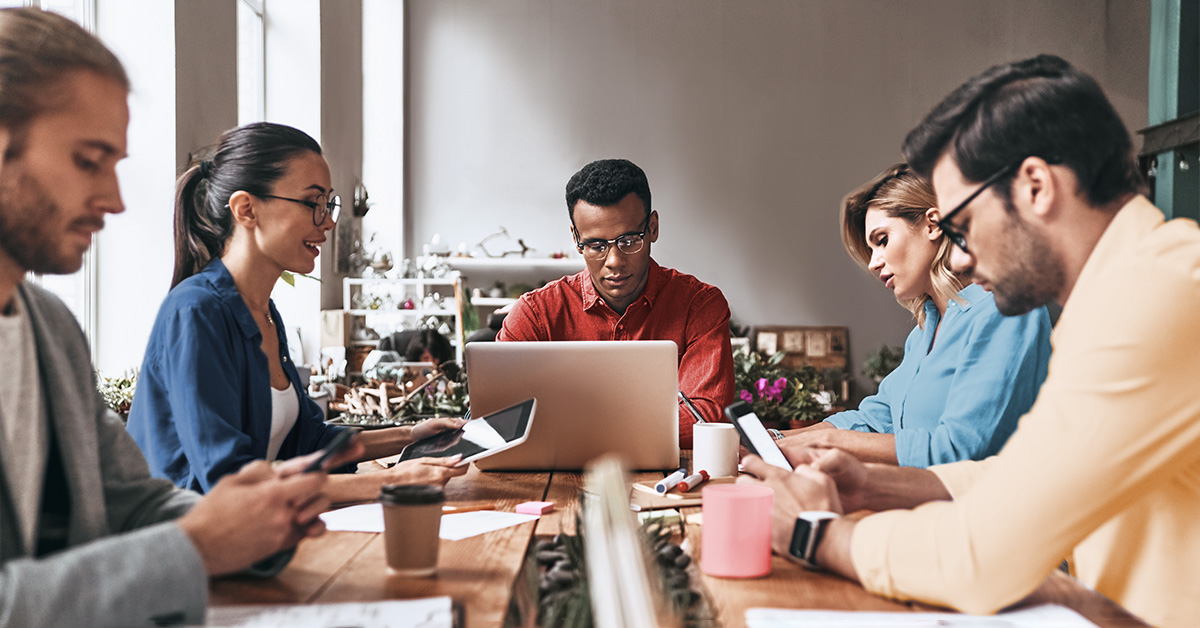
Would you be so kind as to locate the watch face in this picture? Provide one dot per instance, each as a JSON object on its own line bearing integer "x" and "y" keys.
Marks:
{"x": 802, "y": 535}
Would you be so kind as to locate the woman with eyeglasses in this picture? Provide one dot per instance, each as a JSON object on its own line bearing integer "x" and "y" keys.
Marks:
{"x": 968, "y": 373}
{"x": 217, "y": 388}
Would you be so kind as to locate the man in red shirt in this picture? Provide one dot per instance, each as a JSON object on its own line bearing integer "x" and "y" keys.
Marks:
{"x": 624, "y": 295}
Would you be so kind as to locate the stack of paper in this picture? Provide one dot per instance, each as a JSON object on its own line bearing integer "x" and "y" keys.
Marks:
{"x": 436, "y": 612}
{"x": 1044, "y": 616}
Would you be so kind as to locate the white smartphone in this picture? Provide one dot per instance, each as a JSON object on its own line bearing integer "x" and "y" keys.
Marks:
{"x": 755, "y": 437}
{"x": 478, "y": 438}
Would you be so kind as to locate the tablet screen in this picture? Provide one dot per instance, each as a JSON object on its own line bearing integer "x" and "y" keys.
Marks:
{"x": 479, "y": 437}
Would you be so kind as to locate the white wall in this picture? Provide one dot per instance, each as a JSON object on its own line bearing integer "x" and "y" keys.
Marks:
{"x": 752, "y": 120}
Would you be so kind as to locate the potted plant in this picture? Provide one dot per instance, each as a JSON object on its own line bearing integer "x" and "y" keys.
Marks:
{"x": 882, "y": 361}
{"x": 117, "y": 392}
{"x": 780, "y": 396}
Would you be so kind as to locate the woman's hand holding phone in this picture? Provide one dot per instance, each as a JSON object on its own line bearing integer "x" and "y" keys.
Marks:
{"x": 436, "y": 471}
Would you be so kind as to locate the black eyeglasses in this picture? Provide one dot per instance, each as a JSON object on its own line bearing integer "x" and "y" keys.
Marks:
{"x": 322, "y": 207}
{"x": 956, "y": 236}
{"x": 629, "y": 243}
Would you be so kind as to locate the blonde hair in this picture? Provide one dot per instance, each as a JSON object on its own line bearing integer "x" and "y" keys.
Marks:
{"x": 38, "y": 49}
{"x": 900, "y": 193}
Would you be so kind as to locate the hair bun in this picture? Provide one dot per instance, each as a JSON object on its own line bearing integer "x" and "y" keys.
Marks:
{"x": 205, "y": 168}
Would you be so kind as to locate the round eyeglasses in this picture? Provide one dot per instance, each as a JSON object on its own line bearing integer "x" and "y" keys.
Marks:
{"x": 629, "y": 243}
{"x": 323, "y": 206}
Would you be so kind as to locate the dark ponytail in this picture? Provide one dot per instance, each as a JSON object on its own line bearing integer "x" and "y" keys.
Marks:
{"x": 250, "y": 158}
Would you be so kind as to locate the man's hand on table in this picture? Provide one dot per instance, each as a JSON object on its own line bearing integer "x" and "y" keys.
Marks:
{"x": 848, "y": 473}
{"x": 801, "y": 490}
{"x": 255, "y": 513}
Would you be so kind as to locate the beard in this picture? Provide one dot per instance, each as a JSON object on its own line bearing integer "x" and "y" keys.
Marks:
{"x": 1032, "y": 278}
{"x": 30, "y": 225}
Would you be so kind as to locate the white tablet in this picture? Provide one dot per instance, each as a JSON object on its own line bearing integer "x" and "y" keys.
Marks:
{"x": 478, "y": 438}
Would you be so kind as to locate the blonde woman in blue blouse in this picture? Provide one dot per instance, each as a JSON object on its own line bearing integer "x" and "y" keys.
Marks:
{"x": 968, "y": 372}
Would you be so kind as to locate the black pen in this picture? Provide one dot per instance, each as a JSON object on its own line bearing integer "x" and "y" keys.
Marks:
{"x": 688, "y": 402}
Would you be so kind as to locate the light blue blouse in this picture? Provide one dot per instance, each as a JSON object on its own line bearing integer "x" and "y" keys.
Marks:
{"x": 203, "y": 403}
{"x": 959, "y": 398}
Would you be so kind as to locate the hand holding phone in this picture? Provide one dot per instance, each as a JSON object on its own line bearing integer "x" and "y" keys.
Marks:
{"x": 754, "y": 436}
{"x": 331, "y": 449}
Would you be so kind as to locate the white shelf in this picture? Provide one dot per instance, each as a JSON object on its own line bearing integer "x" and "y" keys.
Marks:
{"x": 448, "y": 280}
{"x": 416, "y": 312}
{"x": 416, "y": 288}
{"x": 566, "y": 265}
{"x": 492, "y": 301}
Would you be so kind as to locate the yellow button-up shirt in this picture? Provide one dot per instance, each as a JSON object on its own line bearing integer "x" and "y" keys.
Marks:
{"x": 1104, "y": 468}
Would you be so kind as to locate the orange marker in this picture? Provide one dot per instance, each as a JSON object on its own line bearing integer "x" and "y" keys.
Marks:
{"x": 692, "y": 481}
{"x": 452, "y": 510}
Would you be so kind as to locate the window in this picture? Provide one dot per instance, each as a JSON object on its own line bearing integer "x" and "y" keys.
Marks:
{"x": 251, "y": 62}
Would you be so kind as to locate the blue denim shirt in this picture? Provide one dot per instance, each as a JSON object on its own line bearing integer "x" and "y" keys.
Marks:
{"x": 203, "y": 403}
{"x": 959, "y": 398}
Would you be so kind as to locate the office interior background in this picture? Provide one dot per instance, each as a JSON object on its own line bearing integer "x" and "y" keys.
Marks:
{"x": 751, "y": 119}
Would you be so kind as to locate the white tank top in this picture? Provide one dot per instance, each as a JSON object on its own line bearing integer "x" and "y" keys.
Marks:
{"x": 285, "y": 406}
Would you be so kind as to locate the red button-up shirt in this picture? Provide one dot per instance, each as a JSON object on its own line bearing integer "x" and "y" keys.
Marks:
{"x": 673, "y": 306}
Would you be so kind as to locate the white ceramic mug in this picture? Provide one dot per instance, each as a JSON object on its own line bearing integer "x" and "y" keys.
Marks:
{"x": 715, "y": 449}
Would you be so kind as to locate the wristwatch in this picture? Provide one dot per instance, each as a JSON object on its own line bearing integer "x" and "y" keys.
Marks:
{"x": 807, "y": 534}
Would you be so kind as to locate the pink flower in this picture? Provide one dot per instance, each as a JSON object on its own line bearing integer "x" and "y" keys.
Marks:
{"x": 746, "y": 396}
{"x": 774, "y": 392}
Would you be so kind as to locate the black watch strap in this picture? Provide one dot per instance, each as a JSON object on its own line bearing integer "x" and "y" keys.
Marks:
{"x": 807, "y": 534}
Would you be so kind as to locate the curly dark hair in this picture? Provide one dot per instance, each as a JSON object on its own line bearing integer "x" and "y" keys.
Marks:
{"x": 1041, "y": 107}
{"x": 605, "y": 182}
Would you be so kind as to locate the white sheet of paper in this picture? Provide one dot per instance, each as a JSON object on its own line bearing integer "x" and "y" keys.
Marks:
{"x": 1044, "y": 616}
{"x": 432, "y": 612}
{"x": 369, "y": 518}
{"x": 363, "y": 518}
{"x": 467, "y": 524}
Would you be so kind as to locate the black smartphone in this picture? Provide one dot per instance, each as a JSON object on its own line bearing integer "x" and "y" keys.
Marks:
{"x": 333, "y": 448}
{"x": 755, "y": 437}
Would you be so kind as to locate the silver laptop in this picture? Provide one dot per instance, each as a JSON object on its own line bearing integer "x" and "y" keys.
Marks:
{"x": 593, "y": 398}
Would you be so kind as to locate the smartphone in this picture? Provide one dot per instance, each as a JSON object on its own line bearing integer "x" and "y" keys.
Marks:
{"x": 331, "y": 449}
{"x": 755, "y": 437}
{"x": 478, "y": 438}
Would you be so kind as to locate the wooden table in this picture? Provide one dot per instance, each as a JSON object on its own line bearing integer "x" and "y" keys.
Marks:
{"x": 480, "y": 572}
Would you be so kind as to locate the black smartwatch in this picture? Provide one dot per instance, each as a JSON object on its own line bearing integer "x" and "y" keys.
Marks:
{"x": 807, "y": 534}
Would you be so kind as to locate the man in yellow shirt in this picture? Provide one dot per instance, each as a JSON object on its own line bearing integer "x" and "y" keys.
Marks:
{"x": 1038, "y": 171}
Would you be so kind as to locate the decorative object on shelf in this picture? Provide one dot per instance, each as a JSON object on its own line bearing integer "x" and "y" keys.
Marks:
{"x": 396, "y": 394}
{"x": 363, "y": 333}
{"x": 117, "y": 392}
{"x": 882, "y": 361}
{"x": 408, "y": 304}
{"x": 378, "y": 260}
{"x": 503, "y": 232}
{"x": 356, "y": 259}
{"x": 360, "y": 205}
{"x": 818, "y": 347}
{"x": 778, "y": 394}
